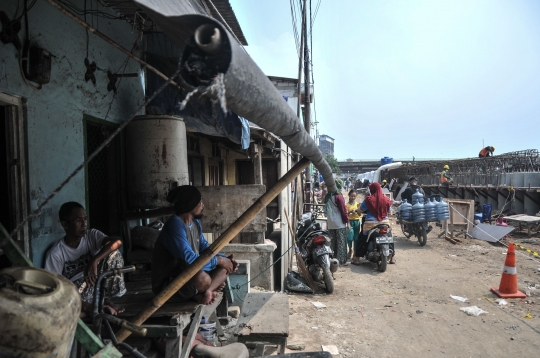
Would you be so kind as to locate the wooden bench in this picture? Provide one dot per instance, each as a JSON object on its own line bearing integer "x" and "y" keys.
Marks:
{"x": 169, "y": 320}
{"x": 264, "y": 320}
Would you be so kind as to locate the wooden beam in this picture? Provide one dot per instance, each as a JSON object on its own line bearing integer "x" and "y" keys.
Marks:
{"x": 455, "y": 192}
{"x": 480, "y": 191}
{"x": 216, "y": 247}
{"x": 535, "y": 200}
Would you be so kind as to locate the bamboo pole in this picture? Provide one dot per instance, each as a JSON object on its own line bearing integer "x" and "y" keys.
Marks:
{"x": 109, "y": 40}
{"x": 215, "y": 248}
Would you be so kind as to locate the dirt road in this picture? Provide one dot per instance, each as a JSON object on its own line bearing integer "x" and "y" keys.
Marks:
{"x": 407, "y": 310}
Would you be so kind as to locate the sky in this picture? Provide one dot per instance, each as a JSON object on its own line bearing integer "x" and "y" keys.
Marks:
{"x": 422, "y": 78}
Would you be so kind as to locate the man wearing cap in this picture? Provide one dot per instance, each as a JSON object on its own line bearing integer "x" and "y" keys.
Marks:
{"x": 180, "y": 243}
{"x": 411, "y": 189}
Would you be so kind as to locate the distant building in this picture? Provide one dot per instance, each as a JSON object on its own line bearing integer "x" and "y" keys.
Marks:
{"x": 326, "y": 144}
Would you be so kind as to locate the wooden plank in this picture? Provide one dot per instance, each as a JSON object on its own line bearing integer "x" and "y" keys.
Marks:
{"x": 139, "y": 276}
{"x": 192, "y": 332}
{"x": 264, "y": 314}
{"x": 523, "y": 218}
{"x": 138, "y": 286}
{"x": 132, "y": 297}
{"x": 168, "y": 309}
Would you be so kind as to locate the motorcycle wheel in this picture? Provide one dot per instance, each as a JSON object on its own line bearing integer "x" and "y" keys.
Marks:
{"x": 328, "y": 280}
{"x": 422, "y": 237}
{"x": 383, "y": 262}
{"x": 407, "y": 234}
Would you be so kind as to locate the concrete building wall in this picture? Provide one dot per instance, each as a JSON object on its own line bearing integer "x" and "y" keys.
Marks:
{"x": 54, "y": 115}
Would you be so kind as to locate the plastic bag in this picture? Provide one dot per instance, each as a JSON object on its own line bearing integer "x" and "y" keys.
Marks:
{"x": 472, "y": 311}
{"x": 459, "y": 298}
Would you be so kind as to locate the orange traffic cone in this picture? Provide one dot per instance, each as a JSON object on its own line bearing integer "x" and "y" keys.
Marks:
{"x": 509, "y": 282}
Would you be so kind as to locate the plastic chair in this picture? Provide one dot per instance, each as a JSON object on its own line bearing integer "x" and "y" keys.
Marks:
{"x": 486, "y": 213}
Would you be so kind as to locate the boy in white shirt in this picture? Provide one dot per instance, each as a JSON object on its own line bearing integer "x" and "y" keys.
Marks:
{"x": 84, "y": 253}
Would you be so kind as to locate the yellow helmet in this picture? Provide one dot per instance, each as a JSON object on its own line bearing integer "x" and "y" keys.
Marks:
{"x": 492, "y": 148}
{"x": 384, "y": 181}
{"x": 446, "y": 167}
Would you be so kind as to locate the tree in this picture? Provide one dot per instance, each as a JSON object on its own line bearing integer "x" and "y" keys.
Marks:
{"x": 333, "y": 163}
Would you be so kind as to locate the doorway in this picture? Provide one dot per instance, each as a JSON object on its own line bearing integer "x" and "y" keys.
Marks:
{"x": 103, "y": 175}
{"x": 13, "y": 176}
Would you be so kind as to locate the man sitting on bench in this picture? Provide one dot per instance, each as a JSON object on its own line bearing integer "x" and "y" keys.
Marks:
{"x": 180, "y": 243}
{"x": 82, "y": 255}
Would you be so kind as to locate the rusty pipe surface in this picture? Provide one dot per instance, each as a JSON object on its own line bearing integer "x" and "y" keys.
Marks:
{"x": 248, "y": 92}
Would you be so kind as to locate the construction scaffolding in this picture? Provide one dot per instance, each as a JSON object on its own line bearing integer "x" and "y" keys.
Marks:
{"x": 520, "y": 169}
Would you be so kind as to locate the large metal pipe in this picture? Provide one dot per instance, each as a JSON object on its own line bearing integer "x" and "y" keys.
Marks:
{"x": 248, "y": 92}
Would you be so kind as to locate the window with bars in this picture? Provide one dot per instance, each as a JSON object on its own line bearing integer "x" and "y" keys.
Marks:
{"x": 215, "y": 173}
{"x": 102, "y": 177}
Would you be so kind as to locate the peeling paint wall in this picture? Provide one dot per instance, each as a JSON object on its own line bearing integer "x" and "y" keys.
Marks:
{"x": 54, "y": 116}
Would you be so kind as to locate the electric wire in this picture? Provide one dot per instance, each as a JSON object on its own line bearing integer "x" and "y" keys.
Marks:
{"x": 81, "y": 12}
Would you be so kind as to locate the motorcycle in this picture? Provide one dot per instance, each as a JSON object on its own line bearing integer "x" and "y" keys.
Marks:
{"x": 378, "y": 245}
{"x": 314, "y": 246}
{"x": 420, "y": 230}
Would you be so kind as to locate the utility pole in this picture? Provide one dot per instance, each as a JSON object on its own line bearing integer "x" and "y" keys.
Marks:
{"x": 300, "y": 62}
{"x": 307, "y": 104}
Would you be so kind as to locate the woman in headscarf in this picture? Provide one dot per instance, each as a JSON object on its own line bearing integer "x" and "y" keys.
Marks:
{"x": 337, "y": 222}
{"x": 376, "y": 206}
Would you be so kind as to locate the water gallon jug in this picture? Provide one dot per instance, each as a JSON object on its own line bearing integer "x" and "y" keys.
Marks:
{"x": 442, "y": 210}
{"x": 435, "y": 204}
{"x": 39, "y": 311}
{"x": 417, "y": 197}
{"x": 405, "y": 210}
{"x": 430, "y": 209}
{"x": 419, "y": 214}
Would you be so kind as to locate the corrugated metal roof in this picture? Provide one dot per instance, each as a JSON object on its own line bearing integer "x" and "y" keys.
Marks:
{"x": 136, "y": 17}
{"x": 225, "y": 9}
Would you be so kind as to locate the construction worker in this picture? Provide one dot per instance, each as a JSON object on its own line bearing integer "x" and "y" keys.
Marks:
{"x": 445, "y": 178}
{"x": 384, "y": 184}
{"x": 486, "y": 152}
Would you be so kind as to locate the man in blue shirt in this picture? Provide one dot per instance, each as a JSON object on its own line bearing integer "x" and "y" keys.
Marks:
{"x": 180, "y": 243}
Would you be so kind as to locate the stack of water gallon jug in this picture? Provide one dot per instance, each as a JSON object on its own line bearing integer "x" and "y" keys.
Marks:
{"x": 418, "y": 211}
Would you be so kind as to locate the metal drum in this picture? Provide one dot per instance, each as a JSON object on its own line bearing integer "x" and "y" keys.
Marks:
{"x": 156, "y": 159}
{"x": 39, "y": 311}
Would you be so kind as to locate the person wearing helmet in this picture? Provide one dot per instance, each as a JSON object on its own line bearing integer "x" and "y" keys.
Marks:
{"x": 486, "y": 152}
{"x": 445, "y": 178}
{"x": 384, "y": 184}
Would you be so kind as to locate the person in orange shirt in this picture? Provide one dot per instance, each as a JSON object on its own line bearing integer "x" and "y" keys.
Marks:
{"x": 486, "y": 152}
{"x": 445, "y": 178}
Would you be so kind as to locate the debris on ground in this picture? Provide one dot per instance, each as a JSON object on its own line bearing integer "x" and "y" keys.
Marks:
{"x": 318, "y": 304}
{"x": 234, "y": 311}
{"x": 459, "y": 298}
{"x": 296, "y": 346}
{"x": 472, "y": 311}
{"x": 333, "y": 350}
